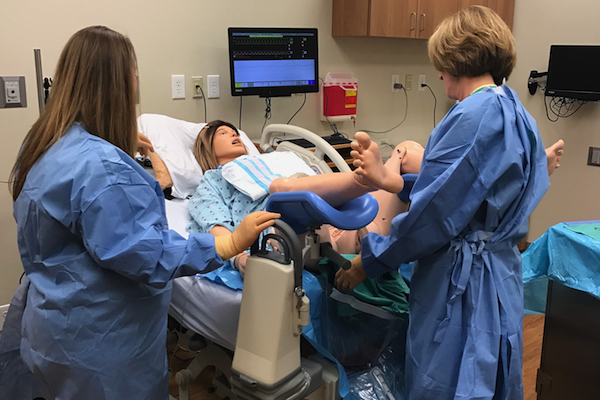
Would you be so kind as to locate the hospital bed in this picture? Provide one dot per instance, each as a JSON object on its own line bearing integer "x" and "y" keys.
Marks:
{"x": 209, "y": 311}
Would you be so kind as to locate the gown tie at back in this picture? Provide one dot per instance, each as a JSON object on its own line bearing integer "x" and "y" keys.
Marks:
{"x": 465, "y": 249}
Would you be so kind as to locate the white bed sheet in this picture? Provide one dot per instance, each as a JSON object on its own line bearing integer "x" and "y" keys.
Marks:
{"x": 207, "y": 308}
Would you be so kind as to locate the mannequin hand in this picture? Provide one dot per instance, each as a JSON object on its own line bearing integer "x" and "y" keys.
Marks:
{"x": 240, "y": 263}
{"x": 347, "y": 280}
{"x": 144, "y": 145}
{"x": 245, "y": 234}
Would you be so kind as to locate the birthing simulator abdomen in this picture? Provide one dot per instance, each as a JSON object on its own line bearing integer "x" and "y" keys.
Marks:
{"x": 267, "y": 362}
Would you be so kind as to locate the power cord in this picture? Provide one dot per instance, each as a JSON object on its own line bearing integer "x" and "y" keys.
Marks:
{"x": 562, "y": 107}
{"x": 203, "y": 100}
{"x": 396, "y": 86}
{"x": 240, "y": 122}
{"x": 267, "y": 112}
{"x": 304, "y": 102}
{"x": 434, "y": 101}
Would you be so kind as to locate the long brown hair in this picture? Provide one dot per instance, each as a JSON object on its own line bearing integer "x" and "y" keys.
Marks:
{"x": 203, "y": 147}
{"x": 95, "y": 85}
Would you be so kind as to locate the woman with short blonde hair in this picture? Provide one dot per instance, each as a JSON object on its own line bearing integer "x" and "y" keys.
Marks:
{"x": 472, "y": 42}
{"x": 484, "y": 170}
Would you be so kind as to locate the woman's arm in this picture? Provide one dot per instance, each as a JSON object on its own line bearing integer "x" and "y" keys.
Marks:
{"x": 239, "y": 260}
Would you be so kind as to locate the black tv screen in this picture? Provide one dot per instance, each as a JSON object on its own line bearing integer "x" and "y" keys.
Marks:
{"x": 574, "y": 72}
{"x": 271, "y": 62}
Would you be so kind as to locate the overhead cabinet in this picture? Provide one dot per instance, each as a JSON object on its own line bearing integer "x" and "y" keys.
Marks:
{"x": 403, "y": 18}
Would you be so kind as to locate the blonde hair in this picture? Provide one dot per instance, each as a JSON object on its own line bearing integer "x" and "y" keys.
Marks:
{"x": 472, "y": 42}
{"x": 95, "y": 85}
{"x": 203, "y": 147}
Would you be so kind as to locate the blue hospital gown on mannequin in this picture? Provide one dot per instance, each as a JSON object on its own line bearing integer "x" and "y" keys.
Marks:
{"x": 483, "y": 173}
{"x": 218, "y": 202}
{"x": 94, "y": 243}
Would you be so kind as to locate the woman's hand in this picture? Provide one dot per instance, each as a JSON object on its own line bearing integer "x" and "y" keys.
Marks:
{"x": 245, "y": 234}
{"x": 347, "y": 280}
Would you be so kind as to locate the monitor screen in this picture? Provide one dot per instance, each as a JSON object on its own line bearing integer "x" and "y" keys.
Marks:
{"x": 271, "y": 62}
{"x": 574, "y": 72}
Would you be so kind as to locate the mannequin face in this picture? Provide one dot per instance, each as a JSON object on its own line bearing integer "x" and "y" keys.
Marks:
{"x": 227, "y": 145}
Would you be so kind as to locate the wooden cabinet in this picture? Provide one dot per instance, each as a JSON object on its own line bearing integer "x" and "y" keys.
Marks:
{"x": 403, "y": 18}
{"x": 504, "y": 8}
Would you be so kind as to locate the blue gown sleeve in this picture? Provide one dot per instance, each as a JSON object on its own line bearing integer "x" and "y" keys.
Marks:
{"x": 208, "y": 207}
{"x": 124, "y": 229}
{"x": 465, "y": 163}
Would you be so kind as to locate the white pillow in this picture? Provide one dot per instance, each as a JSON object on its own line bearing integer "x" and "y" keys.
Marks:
{"x": 173, "y": 141}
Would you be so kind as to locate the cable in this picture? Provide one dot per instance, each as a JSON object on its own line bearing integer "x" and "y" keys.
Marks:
{"x": 403, "y": 119}
{"x": 304, "y": 102}
{"x": 204, "y": 100}
{"x": 562, "y": 107}
{"x": 240, "y": 124}
{"x": 267, "y": 111}
{"x": 434, "y": 101}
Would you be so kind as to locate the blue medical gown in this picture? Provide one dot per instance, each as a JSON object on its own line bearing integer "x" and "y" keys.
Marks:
{"x": 93, "y": 239}
{"x": 483, "y": 173}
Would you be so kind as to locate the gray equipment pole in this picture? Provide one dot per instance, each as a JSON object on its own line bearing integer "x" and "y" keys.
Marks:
{"x": 37, "y": 53}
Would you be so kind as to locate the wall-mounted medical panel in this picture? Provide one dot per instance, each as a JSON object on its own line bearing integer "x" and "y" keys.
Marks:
{"x": 12, "y": 92}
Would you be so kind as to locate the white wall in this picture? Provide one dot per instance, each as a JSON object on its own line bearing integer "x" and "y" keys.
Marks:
{"x": 189, "y": 37}
{"x": 575, "y": 191}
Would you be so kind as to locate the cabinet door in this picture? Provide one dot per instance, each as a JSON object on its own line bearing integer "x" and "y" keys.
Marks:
{"x": 393, "y": 18}
{"x": 504, "y": 8}
{"x": 431, "y": 13}
{"x": 350, "y": 18}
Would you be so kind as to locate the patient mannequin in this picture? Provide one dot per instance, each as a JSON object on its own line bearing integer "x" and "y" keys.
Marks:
{"x": 554, "y": 154}
{"x": 336, "y": 189}
{"x": 406, "y": 158}
{"x": 216, "y": 205}
{"x": 367, "y": 159}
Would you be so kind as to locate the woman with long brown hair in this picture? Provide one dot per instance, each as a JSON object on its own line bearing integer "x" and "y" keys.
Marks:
{"x": 93, "y": 235}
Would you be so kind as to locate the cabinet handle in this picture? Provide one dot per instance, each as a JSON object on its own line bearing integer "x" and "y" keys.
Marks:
{"x": 422, "y": 22}
{"x": 413, "y": 21}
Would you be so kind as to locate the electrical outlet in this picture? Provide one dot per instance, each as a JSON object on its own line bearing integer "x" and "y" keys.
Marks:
{"x": 178, "y": 86}
{"x": 422, "y": 81}
{"x": 197, "y": 87}
{"x": 395, "y": 79}
{"x": 408, "y": 82}
{"x": 213, "y": 87}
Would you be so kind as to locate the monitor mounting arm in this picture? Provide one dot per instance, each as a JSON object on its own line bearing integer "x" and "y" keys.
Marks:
{"x": 534, "y": 78}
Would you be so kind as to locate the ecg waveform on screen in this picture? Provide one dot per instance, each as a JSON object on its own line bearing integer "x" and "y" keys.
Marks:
{"x": 262, "y": 41}
{"x": 263, "y": 53}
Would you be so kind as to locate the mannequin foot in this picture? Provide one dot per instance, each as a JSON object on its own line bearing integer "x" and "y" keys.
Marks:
{"x": 554, "y": 154}
{"x": 370, "y": 170}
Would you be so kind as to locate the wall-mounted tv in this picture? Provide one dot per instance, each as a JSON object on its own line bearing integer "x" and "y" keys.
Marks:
{"x": 271, "y": 62}
{"x": 574, "y": 72}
